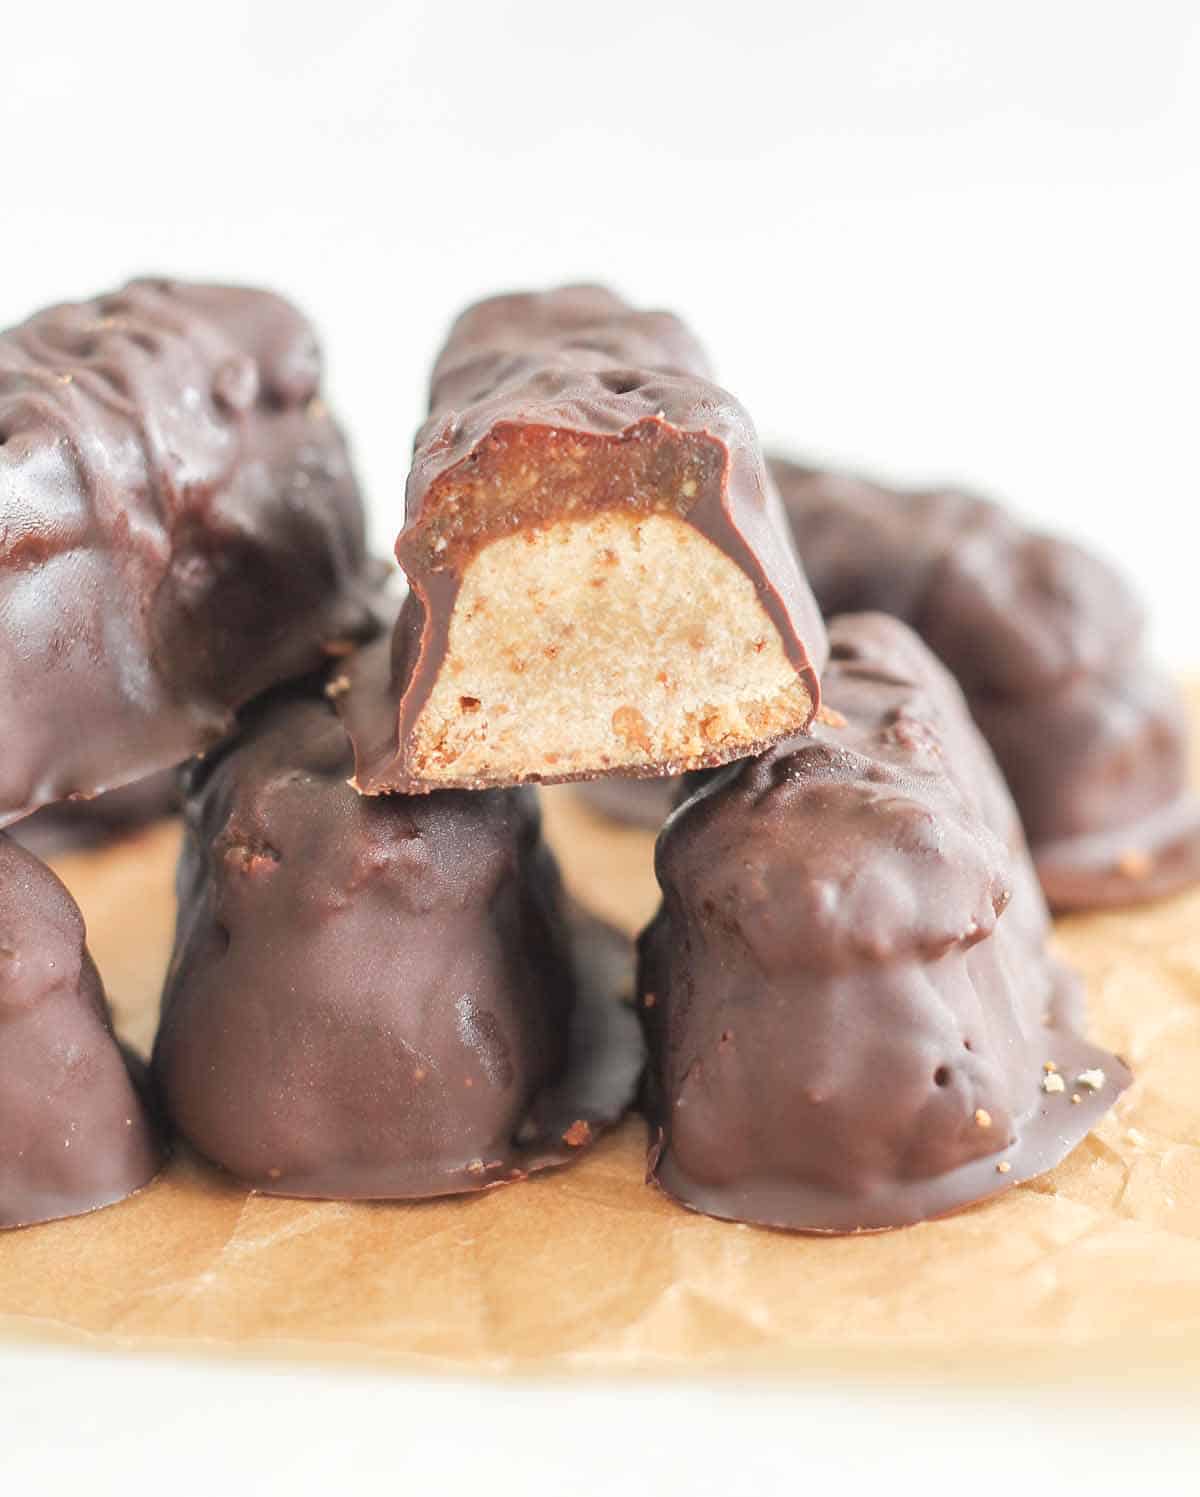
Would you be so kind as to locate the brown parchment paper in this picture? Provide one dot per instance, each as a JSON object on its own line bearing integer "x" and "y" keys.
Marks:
{"x": 1091, "y": 1272}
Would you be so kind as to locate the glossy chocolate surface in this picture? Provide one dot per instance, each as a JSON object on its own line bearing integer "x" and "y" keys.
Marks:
{"x": 181, "y": 530}
{"x": 74, "y": 1132}
{"x": 380, "y": 997}
{"x": 1046, "y": 640}
{"x": 630, "y": 394}
{"x": 854, "y": 1020}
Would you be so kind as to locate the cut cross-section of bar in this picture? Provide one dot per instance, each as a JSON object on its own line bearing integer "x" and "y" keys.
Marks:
{"x": 601, "y": 578}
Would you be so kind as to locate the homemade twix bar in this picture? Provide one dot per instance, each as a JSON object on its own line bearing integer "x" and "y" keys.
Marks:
{"x": 179, "y": 529}
{"x": 601, "y": 577}
{"x": 1047, "y": 642}
{"x": 854, "y": 1018}
{"x": 380, "y": 996}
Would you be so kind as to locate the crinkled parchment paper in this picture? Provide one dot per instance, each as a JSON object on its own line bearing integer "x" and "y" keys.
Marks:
{"x": 1092, "y": 1272}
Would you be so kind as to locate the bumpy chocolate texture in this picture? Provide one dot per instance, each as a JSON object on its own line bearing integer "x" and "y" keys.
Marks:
{"x": 380, "y": 997}
{"x": 74, "y": 1133}
{"x": 1046, "y": 641}
{"x": 180, "y": 529}
{"x": 854, "y": 1021}
{"x": 601, "y": 577}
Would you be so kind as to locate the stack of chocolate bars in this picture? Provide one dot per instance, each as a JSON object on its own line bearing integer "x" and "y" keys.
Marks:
{"x": 844, "y": 1015}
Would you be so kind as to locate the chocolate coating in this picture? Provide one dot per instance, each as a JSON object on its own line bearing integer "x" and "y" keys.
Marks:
{"x": 847, "y": 991}
{"x": 526, "y": 371}
{"x": 181, "y": 530}
{"x": 75, "y": 825}
{"x": 1046, "y": 640}
{"x": 380, "y": 997}
{"x": 74, "y": 1132}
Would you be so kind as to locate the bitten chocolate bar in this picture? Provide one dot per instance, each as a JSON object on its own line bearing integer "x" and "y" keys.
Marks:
{"x": 854, "y": 1020}
{"x": 380, "y": 997}
{"x": 601, "y": 578}
{"x": 180, "y": 530}
{"x": 1047, "y": 642}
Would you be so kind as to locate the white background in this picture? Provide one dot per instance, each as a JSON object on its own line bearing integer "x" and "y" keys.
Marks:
{"x": 935, "y": 238}
{"x": 953, "y": 240}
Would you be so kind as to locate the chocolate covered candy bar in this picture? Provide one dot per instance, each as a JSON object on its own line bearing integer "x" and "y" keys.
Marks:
{"x": 74, "y": 1132}
{"x": 854, "y": 1020}
{"x": 180, "y": 530}
{"x": 1046, "y": 641}
{"x": 380, "y": 997}
{"x": 601, "y": 579}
